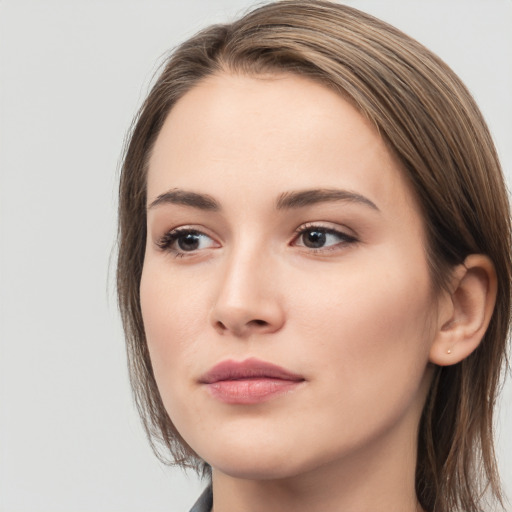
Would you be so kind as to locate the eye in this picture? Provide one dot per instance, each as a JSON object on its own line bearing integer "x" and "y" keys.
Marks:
{"x": 184, "y": 240}
{"x": 318, "y": 237}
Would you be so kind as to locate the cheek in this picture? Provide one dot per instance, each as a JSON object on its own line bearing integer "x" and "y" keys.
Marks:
{"x": 368, "y": 354}
{"x": 173, "y": 316}
{"x": 369, "y": 327}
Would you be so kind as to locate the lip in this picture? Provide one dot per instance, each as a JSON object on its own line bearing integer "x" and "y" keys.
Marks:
{"x": 250, "y": 381}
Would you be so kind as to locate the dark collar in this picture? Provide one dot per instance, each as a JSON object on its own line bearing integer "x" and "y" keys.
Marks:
{"x": 205, "y": 501}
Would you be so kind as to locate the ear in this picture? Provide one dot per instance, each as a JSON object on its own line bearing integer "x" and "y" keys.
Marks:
{"x": 465, "y": 313}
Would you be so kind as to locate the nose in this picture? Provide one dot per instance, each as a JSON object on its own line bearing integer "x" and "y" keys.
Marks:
{"x": 248, "y": 299}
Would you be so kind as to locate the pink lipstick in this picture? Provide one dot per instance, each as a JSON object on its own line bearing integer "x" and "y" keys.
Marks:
{"x": 249, "y": 382}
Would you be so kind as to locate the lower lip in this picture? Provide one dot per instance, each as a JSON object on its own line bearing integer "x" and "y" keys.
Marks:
{"x": 250, "y": 391}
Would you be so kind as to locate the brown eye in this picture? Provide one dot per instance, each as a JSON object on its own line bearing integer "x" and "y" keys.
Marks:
{"x": 314, "y": 239}
{"x": 317, "y": 237}
{"x": 181, "y": 241}
{"x": 188, "y": 241}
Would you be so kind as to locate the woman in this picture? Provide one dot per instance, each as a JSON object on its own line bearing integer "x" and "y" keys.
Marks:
{"x": 314, "y": 267}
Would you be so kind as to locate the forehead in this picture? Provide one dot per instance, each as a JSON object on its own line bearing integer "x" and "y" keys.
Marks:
{"x": 251, "y": 134}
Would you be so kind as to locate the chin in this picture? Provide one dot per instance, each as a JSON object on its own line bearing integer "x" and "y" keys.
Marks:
{"x": 254, "y": 460}
{"x": 257, "y": 469}
{"x": 267, "y": 461}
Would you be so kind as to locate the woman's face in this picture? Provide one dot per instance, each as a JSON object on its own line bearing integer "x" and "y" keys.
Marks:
{"x": 282, "y": 233}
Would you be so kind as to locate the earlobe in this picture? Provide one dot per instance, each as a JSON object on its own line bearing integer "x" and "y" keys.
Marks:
{"x": 467, "y": 313}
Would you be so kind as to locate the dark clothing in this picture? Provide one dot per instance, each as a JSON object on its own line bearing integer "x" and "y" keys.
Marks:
{"x": 205, "y": 501}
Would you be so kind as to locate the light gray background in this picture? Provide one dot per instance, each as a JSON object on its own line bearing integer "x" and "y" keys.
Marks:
{"x": 72, "y": 74}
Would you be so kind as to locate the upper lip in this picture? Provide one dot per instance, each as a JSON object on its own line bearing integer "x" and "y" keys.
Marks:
{"x": 249, "y": 369}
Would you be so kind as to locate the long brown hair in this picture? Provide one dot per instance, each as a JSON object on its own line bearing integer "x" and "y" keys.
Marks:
{"x": 430, "y": 121}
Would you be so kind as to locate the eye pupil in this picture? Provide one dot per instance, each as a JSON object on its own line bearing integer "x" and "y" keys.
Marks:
{"x": 314, "y": 239}
{"x": 188, "y": 242}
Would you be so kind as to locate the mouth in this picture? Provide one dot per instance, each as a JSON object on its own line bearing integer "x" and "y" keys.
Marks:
{"x": 249, "y": 382}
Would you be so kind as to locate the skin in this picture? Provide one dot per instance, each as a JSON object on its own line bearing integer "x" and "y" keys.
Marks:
{"x": 357, "y": 318}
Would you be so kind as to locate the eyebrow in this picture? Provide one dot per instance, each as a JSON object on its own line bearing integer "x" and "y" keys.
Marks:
{"x": 186, "y": 198}
{"x": 303, "y": 198}
{"x": 287, "y": 200}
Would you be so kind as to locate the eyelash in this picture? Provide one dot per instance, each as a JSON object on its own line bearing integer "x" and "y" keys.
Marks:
{"x": 165, "y": 243}
{"x": 345, "y": 239}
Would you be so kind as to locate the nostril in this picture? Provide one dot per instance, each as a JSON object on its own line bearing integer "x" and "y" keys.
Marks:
{"x": 220, "y": 326}
{"x": 261, "y": 323}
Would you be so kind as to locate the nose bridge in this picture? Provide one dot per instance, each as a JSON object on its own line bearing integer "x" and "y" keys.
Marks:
{"x": 247, "y": 297}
